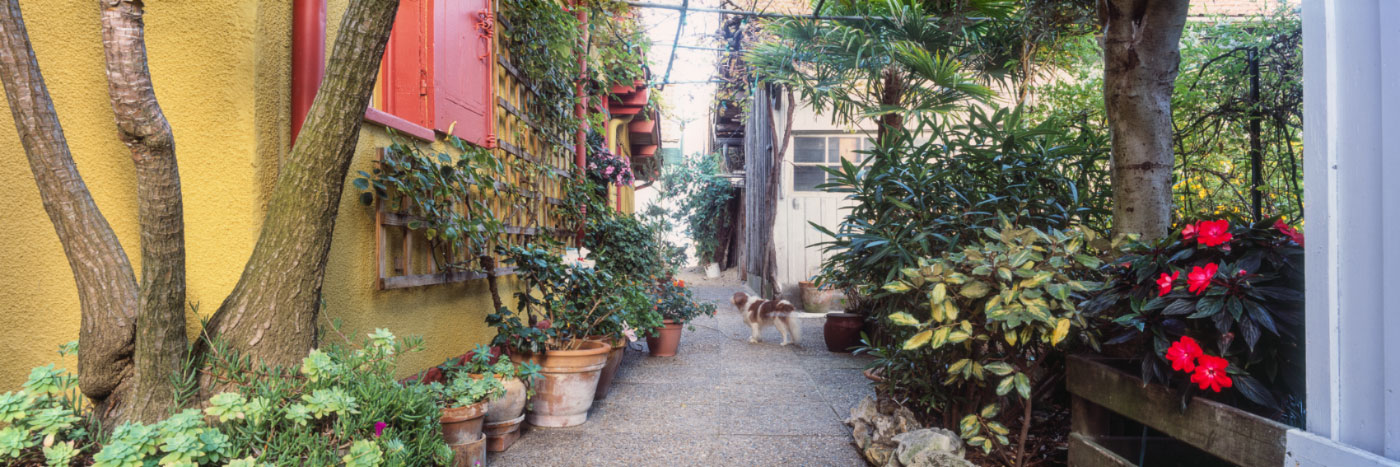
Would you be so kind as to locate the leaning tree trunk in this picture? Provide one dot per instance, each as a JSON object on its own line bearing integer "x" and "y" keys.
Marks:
{"x": 160, "y": 322}
{"x": 271, "y": 313}
{"x": 1141, "y": 43}
{"x": 107, "y": 288}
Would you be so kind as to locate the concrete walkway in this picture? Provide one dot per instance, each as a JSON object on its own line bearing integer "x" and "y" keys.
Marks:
{"x": 720, "y": 401}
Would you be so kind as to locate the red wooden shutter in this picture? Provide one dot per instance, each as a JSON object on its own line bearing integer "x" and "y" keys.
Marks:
{"x": 408, "y": 67}
{"x": 464, "y": 62}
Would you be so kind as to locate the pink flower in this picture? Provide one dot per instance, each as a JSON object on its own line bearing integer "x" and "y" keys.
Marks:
{"x": 629, "y": 332}
{"x": 1291, "y": 233}
{"x": 1212, "y": 233}
{"x": 609, "y": 170}
{"x": 379, "y": 428}
{"x": 1188, "y": 232}
{"x": 1199, "y": 279}
{"x": 543, "y": 324}
{"x": 1164, "y": 282}
{"x": 1210, "y": 373}
{"x": 1183, "y": 354}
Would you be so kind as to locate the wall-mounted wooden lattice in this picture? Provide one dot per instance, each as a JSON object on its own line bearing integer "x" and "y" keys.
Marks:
{"x": 536, "y": 164}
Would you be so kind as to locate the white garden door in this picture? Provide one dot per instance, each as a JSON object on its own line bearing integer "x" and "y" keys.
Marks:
{"x": 801, "y": 203}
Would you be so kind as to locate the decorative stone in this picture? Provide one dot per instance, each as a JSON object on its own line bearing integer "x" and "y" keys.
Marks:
{"x": 893, "y": 437}
{"x": 930, "y": 447}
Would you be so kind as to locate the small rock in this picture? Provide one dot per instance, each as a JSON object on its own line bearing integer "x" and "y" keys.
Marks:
{"x": 930, "y": 447}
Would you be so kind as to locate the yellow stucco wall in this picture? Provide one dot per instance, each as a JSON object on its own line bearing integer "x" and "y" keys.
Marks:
{"x": 222, "y": 75}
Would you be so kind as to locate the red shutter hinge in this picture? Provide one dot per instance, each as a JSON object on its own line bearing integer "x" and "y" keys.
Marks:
{"x": 490, "y": 141}
{"x": 486, "y": 30}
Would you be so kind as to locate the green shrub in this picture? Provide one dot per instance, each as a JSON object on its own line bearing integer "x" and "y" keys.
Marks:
{"x": 702, "y": 194}
{"x": 916, "y": 197}
{"x": 991, "y": 324}
{"x": 267, "y": 416}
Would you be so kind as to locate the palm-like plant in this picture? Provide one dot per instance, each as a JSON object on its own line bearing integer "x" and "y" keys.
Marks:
{"x": 902, "y": 58}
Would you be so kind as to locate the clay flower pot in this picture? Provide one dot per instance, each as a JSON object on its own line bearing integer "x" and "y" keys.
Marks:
{"x": 470, "y": 454}
{"x": 842, "y": 331}
{"x": 605, "y": 378}
{"x": 500, "y": 435}
{"x": 667, "y": 340}
{"x": 462, "y": 425}
{"x": 815, "y": 299}
{"x": 568, "y": 380}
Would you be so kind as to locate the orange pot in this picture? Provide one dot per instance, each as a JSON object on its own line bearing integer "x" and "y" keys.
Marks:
{"x": 605, "y": 377}
{"x": 568, "y": 380}
{"x": 667, "y": 340}
{"x": 461, "y": 425}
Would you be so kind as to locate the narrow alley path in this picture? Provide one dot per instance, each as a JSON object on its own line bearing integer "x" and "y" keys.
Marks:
{"x": 720, "y": 401}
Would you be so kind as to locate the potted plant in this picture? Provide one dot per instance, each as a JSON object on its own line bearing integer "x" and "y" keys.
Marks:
{"x": 503, "y": 414}
{"x": 677, "y": 306}
{"x": 634, "y": 312}
{"x": 463, "y": 401}
{"x": 558, "y": 307}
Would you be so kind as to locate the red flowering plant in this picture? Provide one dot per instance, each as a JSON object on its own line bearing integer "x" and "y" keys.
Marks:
{"x": 1216, "y": 306}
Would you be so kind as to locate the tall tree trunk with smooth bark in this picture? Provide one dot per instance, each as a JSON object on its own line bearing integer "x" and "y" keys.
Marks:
{"x": 891, "y": 92}
{"x": 271, "y": 313}
{"x": 107, "y": 288}
{"x": 160, "y": 341}
{"x": 1141, "y": 44}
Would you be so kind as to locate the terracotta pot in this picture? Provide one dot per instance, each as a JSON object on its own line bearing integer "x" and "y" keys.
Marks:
{"x": 605, "y": 377}
{"x": 568, "y": 379}
{"x": 815, "y": 299}
{"x": 842, "y": 331}
{"x": 667, "y": 340}
{"x": 462, "y": 425}
{"x": 509, "y": 406}
{"x": 470, "y": 454}
{"x": 500, "y": 435}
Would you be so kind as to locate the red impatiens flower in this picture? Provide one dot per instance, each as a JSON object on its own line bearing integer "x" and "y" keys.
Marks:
{"x": 1291, "y": 233}
{"x": 1188, "y": 232}
{"x": 1198, "y": 280}
{"x": 1210, "y": 373}
{"x": 1183, "y": 354}
{"x": 1164, "y": 282}
{"x": 1212, "y": 233}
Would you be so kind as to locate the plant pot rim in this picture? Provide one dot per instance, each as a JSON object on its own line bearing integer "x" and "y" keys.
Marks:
{"x": 457, "y": 414}
{"x": 590, "y": 347}
{"x": 506, "y": 423}
{"x": 841, "y": 314}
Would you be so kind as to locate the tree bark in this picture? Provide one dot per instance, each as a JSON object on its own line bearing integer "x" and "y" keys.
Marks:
{"x": 107, "y": 288}
{"x": 160, "y": 343}
{"x": 775, "y": 177}
{"x": 271, "y": 313}
{"x": 1141, "y": 43}
{"x": 891, "y": 92}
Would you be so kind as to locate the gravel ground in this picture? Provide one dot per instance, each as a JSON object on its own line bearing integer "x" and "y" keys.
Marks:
{"x": 720, "y": 401}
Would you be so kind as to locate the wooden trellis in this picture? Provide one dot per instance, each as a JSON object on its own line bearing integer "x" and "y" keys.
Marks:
{"x": 536, "y": 164}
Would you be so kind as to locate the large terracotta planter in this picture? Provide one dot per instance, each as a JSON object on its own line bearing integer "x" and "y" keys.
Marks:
{"x": 842, "y": 331}
{"x": 461, "y": 425}
{"x": 815, "y": 299}
{"x": 605, "y": 377}
{"x": 509, "y": 406}
{"x": 667, "y": 340}
{"x": 568, "y": 380}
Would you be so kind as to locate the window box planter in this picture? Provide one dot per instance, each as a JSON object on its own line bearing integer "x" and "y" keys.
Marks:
{"x": 1220, "y": 430}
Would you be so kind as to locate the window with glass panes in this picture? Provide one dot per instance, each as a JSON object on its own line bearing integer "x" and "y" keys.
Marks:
{"x": 811, "y": 153}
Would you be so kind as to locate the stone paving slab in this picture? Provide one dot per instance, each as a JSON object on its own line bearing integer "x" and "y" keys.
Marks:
{"x": 720, "y": 401}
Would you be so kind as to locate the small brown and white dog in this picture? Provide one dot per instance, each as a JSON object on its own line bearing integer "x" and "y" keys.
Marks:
{"x": 759, "y": 313}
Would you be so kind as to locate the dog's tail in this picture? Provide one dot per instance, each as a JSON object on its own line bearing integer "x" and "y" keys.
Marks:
{"x": 794, "y": 326}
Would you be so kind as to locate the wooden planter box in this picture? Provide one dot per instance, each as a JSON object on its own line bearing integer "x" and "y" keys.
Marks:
{"x": 1223, "y": 431}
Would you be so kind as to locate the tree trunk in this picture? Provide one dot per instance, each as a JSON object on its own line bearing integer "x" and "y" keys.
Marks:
{"x": 890, "y": 94}
{"x": 780, "y": 143}
{"x": 271, "y": 313}
{"x": 107, "y": 289}
{"x": 1141, "y": 43}
{"x": 160, "y": 342}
